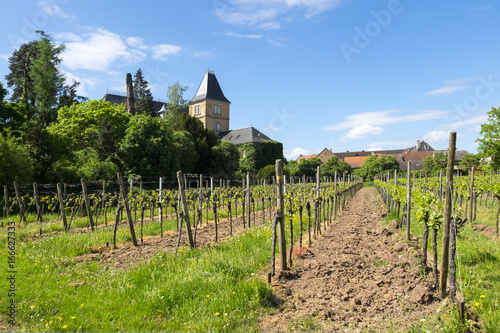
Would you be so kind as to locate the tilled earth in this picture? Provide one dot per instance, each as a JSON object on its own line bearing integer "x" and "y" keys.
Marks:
{"x": 358, "y": 276}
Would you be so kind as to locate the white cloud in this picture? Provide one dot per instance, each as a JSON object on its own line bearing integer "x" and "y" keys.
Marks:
{"x": 295, "y": 153}
{"x": 134, "y": 41}
{"x": 374, "y": 149}
{"x": 445, "y": 90}
{"x": 475, "y": 11}
{"x": 53, "y": 9}
{"x": 391, "y": 144}
{"x": 100, "y": 49}
{"x": 68, "y": 37}
{"x": 362, "y": 131}
{"x": 436, "y": 137}
{"x": 481, "y": 119}
{"x": 249, "y": 36}
{"x": 5, "y": 56}
{"x": 264, "y": 13}
{"x": 161, "y": 51}
{"x": 274, "y": 42}
{"x": 388, "y": 117}
{"x": 203, "y": 54}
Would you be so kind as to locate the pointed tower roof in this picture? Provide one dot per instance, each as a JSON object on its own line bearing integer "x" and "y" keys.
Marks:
{"x": 209, "y": 89}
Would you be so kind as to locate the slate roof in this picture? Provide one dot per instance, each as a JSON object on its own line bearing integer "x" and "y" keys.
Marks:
{"x": 343, "y": 155}
{"x": 209, "y": 89}
{"x": 119, "y": 99}
{"x": 244, "y": 135}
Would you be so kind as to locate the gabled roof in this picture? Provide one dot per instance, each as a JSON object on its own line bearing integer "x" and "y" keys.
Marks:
{"x": 244, "y": 135}
{"x": 209, "y": 89}
{"x": 119, "y": 99}
{"x": 420, "y": 146}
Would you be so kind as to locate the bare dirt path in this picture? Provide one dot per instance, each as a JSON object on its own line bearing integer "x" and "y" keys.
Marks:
{"x": 357, "y": 277}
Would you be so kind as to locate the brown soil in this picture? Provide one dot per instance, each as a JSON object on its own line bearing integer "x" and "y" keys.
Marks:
{"x": 485, "y": 230}
{"x": 358, "y": 276}
{"x": 126, "y": 253}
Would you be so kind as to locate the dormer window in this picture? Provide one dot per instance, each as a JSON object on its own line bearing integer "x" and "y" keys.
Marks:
{"x": 217, "y": 109}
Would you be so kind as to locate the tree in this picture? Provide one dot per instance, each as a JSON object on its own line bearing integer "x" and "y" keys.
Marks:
{"x": 19, "y": 78}
{"x": 489, "y": 143}
{"x": 142, "y": 94}
{"x": 185, "y": 151}
{"x": 334, "y": 164}
{"x": 225, "y": 159}
{"x": 148, "y": 148}
{"x": 12, "y": 116}
{"x": 308, "y": 167}
{"x": 436, "y": 162}
{"x": 256, "y": 155}
{"x": 15, "y": 161}
{"x": 204, "y": 139}
{"x": 269, "y": 171}
{"x": 176, "y": 104}
{"x": 374, "y": 165}
{"x": 36, "y": 80}
{"x": 469, "y": 161}
{"x": 95, "y": 123}
{"x": 48, "y": 81}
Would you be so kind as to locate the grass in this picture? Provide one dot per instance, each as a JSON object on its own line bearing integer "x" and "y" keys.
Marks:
{"x": 478, "y": 278}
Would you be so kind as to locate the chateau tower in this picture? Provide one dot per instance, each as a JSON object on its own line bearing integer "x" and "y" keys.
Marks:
{"x": 210, "y": 105}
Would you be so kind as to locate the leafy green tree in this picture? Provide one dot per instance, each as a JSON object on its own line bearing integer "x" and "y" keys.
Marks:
{"x": 469, "y": 161}
{"x": 436, "y": 162}
{"x": 334, "y": 164}
{"x": 143, "y": 97}
{"x": 15, "y": 161}
{"x": 269, "y": 171}
{"x": 176, "y": 104}
{"x": 12, "y": 116}
{"x": 95, "y": 123}
{"x": 256, "y": 155}
{"x": 48, "y": 81}
{"x": 489, "y": 143}
{"x": 204, "y": 139}
{"x": 225, "y": 159}
{"x": 185, "y": 150}
{"x": 36, "y": 80}
{"x": 86, "y": 164}
{"x": 148, "y": 148}
{"x": 308, "y": 167}
{"x": 374, "y": 165}
{"x": 292, "y": 167}
{"x": 19, "y": 78}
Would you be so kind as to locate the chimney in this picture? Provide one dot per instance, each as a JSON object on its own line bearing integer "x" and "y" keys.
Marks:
{"x": 130, "y": 95}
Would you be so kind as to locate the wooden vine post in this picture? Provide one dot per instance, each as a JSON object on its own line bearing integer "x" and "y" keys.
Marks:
{"x": 20, "y": 202}
{"x": 280, "y": 207}
{"x": 62, "y": 206}
{"x": 6, "y": 197}
{"x": 87, "y": 203}
{"x": 408, "y": 200}
{"x": 472, "y": 196}
{"x": 39, "y": 216}
{"x": 247, "y": 198}
{"x": 185, "y": 211}
{"x": 127, "y": 208}
{"x": 447, "y": 215}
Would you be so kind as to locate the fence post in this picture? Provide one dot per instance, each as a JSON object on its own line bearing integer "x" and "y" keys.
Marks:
{"x": 280, "y": 203}
{"x": 447, "y": 215}
{"x": 408, "y": 201}
{"x": 62, "y": 206}
{"x": 87, "y": 203}
{"x": 247, "y": 198}
{"x": 22, "y": 217}
{"x": 471, "y": 195}
{"x": 185, "y": 211}
{"x": 6, "y": 197}
{"x": 39, "y": 216}
{"x": 127, "y": 208}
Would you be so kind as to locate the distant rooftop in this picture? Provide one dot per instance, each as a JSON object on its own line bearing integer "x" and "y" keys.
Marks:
{"x": 120, "y": 99}
{"x": 244, "y": 135}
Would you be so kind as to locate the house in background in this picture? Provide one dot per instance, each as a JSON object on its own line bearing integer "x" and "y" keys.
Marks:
{"x": 415, "y": 155}
{"x": 160, "y": 107}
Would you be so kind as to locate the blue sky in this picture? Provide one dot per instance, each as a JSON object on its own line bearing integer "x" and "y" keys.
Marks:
{"x": 347, "y": 75}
